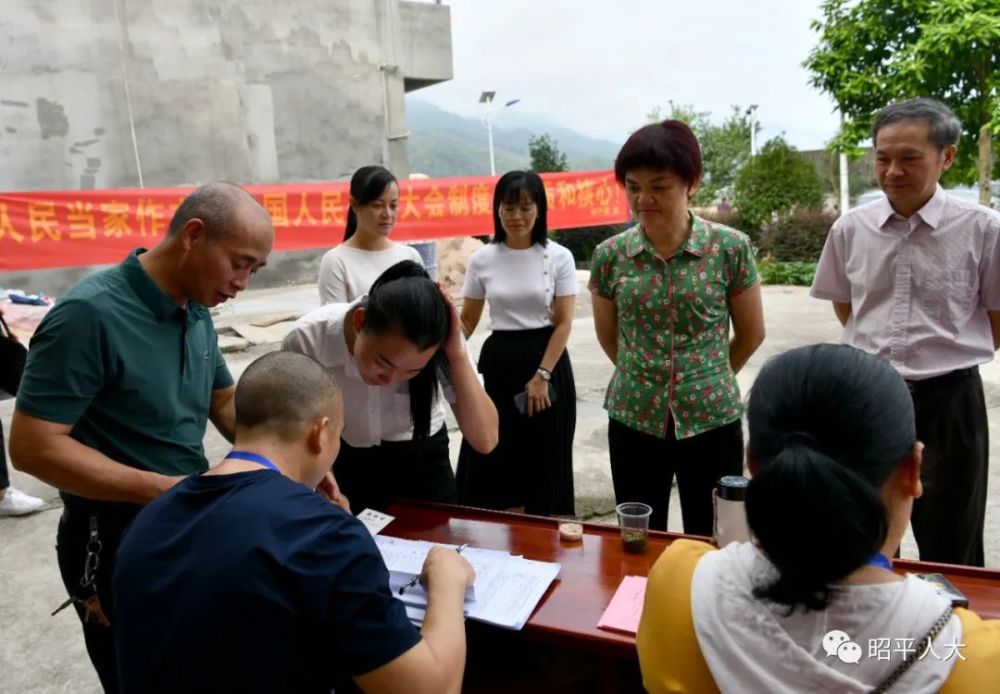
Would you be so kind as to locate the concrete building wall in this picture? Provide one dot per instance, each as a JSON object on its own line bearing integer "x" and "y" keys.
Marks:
{"x": 425, "y": 60}
{"x": 253, "y": 91}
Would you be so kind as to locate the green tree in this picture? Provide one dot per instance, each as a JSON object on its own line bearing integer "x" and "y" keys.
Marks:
{"x": 873, "y": 52}
{"x": 778, "y": 179}
{"x": 725, "y": 148}
{"x": 698, "y": 121}
{"x": 545, "y": 154}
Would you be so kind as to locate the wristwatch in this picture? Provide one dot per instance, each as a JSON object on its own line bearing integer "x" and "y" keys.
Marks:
{"x": 544, "y": 373}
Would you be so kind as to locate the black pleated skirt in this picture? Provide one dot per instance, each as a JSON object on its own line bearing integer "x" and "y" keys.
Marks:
{"x": 532, "y": 466}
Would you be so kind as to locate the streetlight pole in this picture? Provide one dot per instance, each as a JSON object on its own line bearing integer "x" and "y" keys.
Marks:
{"x": 487, "y": 122}
{"x": 751, "y": 109}
{"x": 845, "y": 188}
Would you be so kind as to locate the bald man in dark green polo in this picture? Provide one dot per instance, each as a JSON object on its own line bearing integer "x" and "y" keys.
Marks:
{"x": 122, "y": 376}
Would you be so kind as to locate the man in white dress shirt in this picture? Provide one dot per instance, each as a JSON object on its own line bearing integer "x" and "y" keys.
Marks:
{"x": 915, "y": 279}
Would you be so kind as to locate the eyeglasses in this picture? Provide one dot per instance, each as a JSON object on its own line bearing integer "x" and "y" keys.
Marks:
{"x": 510, "y": 210}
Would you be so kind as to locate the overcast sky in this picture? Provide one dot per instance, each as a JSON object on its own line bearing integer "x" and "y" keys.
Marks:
{"x": 598, "y": 67}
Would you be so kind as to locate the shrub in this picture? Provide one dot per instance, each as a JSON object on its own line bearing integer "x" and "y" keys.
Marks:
{"x": 800, "y": 237}
{"x": 776, "y": 180}
{"x": 779, "y": 272}
{"x": 582, "y": 242}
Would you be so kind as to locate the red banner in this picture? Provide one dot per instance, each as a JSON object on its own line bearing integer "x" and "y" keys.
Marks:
{"x": 50, "y": 229}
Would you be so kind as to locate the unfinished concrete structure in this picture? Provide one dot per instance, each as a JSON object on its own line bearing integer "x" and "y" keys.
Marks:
{"x": 103, "y": 93}
{"x": 123, "y": 93}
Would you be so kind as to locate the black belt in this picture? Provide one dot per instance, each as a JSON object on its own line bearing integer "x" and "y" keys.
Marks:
{"x": 942, "y": 380}
{"x": 77, "y": 507}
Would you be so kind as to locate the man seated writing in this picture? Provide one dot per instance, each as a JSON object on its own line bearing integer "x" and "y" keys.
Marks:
{"x": 246, "y": 579}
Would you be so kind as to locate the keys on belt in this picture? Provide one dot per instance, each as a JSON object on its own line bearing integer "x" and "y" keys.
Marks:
{"x": 88, "y": 586}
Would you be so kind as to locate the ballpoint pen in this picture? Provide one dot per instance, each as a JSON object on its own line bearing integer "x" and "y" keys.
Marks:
{"x": 416, "y": 579}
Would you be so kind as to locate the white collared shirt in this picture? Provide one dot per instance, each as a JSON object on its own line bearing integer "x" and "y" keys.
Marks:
{"x": 372, "y": 414}
{"x": 920, "y": 288}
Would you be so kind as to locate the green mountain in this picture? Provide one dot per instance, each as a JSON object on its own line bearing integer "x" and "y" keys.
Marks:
{"x": 446, "y": 144}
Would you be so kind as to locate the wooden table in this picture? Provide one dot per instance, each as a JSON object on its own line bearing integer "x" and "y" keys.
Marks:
{"x": 592, "y": 569}
{"x": 590, "y": 574}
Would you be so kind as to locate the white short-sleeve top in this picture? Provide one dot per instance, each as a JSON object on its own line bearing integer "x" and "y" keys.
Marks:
{"x": 346, "y": 273}
{"x": 520, "y": 285}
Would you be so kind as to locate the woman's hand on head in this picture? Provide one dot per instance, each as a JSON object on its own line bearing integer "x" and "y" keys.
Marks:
{"x": 453, "y": 346}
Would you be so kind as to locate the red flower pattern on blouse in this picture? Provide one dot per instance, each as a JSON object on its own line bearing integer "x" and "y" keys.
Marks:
{"x": 673, "y": 321}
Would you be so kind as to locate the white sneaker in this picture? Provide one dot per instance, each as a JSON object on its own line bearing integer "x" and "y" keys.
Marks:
{"x": 17, "y": 503}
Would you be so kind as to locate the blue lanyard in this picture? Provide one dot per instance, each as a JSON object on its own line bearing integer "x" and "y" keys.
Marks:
{"x": 253, "y": 458}
{"x": 878, "y": 559}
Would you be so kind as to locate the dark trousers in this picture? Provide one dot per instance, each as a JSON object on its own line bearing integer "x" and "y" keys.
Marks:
{"x": 4, "y": 475}
{"x": 948, "y": 519}
{"x": 71, "y": 550}
{"x": 643, "y": 467}
{"x": 374, "y": 477}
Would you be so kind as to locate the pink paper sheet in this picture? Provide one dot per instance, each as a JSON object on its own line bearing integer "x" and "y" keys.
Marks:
{"x": 625, "y": 609}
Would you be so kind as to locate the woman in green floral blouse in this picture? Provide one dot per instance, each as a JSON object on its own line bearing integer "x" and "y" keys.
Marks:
{"x": 664, "y": 294}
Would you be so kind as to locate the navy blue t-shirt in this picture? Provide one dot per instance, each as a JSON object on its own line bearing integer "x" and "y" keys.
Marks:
{"x": 250, "y": 582}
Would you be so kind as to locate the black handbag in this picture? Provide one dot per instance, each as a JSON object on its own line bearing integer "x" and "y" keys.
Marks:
{"x": 12, "y": 357}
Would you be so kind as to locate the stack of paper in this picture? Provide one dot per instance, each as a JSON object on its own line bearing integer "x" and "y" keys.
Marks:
{"x": 625, "y": 609}
{"x": 505, "y": 592}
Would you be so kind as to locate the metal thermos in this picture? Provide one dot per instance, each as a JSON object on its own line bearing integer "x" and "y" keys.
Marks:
{"x": 729, "y": 501}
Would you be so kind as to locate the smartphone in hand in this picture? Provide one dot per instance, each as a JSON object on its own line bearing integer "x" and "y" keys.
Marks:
{"x": 521, "y": 399}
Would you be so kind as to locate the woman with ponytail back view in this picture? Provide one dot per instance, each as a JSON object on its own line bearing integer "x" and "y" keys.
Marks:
{"x": 835, "y": 468}
{"x": 348, "y": 270}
